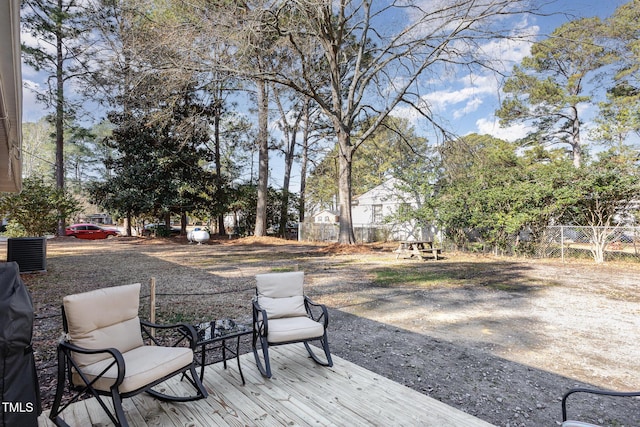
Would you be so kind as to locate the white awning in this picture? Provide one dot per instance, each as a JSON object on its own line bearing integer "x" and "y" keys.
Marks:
{"x": 10, "y": 97}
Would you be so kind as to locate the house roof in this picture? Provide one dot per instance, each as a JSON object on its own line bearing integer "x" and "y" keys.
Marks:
{"x": 326, "y": 211}
{"x": 10, "y": 97}
{"x": 387, "y": 191}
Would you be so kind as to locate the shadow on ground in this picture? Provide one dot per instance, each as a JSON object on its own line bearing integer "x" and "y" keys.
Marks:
{"x": 494, "y": 389}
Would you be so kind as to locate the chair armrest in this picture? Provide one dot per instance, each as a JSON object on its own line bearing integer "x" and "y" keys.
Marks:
{"x": 260, "y": 319}
{"x": 185, "y": 331}
{"x": 312, "y": 307}
{"x": 115, "y": 353}
{"x": 593, "y": 391}
{"x": 65, "y": 348}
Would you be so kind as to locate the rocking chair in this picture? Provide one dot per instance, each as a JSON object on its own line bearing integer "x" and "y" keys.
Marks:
{"x": 102, "y": 352}
{"x": 282, "y": 314}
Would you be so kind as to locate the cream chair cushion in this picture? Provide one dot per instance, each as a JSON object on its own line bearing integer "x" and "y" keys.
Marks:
{"x": 104, "y": 318}
{"x": 144, "y": 365}
{"x": 287, "y": 329}
{"x": 281, "y": 294}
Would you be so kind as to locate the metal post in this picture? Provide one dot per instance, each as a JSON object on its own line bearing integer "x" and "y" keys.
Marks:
{"x": 152, "y": 304}
{"x": 562, "y": 242}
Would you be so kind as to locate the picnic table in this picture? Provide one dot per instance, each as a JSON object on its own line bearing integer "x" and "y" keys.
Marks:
{"x": 422, "y": 249}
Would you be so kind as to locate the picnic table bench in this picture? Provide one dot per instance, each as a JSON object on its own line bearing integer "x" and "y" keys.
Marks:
{"x": 422, "y": 249}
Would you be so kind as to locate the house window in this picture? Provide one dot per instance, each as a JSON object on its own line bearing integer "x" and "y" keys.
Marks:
{"x": 377, "y": 214}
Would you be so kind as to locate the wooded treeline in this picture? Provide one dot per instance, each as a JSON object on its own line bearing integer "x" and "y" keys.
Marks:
{"x": 198, "y": 96}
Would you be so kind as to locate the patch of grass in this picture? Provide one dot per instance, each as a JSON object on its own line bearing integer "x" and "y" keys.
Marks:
{"x": 621, "y": 295}
{"x": 482, "y": 275}
{"x": 402, "y": 276}
{"x": 348, "y": 262}
{"x": 506, "y": 287}
{"x": 283, "y": 269}
{"x": 172, "y": 318}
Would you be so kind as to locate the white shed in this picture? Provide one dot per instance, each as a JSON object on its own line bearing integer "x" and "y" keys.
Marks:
{"x": 326, "y": 217}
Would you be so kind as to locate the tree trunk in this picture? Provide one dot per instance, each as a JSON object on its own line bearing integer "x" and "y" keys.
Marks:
{"x": 304, "y": 160}
{"x": 345, "y": 235}
{"x": 575, "y": 139}
{"x": 127, "y": 225}
{"x": 263, "y": 158}
{"x": 217, "y": 159}
{"x": 290, "y": 134}
{"x": 59, "y": 113}
{"x": 183, "y": 223}
{"x": 167, "y": 220}
{"x": 284, "y": 208}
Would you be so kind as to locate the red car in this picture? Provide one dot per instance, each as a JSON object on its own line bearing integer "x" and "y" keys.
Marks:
{"x": 90, "y": 231}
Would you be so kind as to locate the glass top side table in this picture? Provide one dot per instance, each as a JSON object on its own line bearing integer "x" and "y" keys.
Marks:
{"x": 224, "y": 335}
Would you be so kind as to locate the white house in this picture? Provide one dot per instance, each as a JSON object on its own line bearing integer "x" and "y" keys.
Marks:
{"x": 372, "y": 209}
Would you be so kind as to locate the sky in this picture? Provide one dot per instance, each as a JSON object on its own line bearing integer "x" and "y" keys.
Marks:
{"x": 465, "y": 105}
{"x": 468, "y": 104}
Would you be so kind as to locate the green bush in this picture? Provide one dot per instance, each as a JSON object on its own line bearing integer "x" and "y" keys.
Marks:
{"x": 36, "y": 210}
{"x": 15, "y": 230}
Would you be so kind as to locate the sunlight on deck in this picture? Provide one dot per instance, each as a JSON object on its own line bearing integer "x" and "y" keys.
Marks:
{"x": 300, "y": 393}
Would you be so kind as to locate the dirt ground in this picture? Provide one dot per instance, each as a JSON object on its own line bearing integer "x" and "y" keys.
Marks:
{"x": 499, "y": 338}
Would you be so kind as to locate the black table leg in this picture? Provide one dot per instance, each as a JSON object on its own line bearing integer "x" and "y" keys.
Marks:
{"x": 238, "y": 359}
{"x": 224, "y": 353}
{"x": 224, "y": 343}
{"x": 202, "y": 361}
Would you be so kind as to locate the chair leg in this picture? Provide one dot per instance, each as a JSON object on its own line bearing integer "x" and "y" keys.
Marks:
{"x": 201, "y": 391}
{"x": 117, "y": 408}
{"x": 197, "y": 382}
{"x": 265, "y": 369}
{"x": 117, "y": 418}
{"x": 53, "y": 414}
{"x": 325, "y": 346}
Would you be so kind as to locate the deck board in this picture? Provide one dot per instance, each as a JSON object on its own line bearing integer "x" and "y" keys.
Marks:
{"x": 300, "y": 393}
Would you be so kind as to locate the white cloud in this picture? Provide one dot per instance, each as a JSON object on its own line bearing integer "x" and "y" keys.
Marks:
{"x": 406, "y": 112}
{"x": 472, "y": 90}
{"x": 464, "y": 98}
{"x": 491, "y": 127}
{"x": 28, "y": 39}
{"x": 32, "y": 110}
{"x": 506, "y": 53}
{"x": 471, "y": 106}
{"x": 443, "y": 99}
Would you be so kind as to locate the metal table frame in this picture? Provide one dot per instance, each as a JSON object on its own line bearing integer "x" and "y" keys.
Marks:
{"x": 221, "y": 338}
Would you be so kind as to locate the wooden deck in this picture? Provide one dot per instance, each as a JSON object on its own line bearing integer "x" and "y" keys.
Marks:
{"x": 300, "y": 393}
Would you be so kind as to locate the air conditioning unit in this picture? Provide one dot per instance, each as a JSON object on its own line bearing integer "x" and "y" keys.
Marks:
{"x": 29, "y": 252}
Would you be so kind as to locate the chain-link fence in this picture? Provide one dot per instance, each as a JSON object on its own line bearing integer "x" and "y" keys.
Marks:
{"x": 600, "y": 243}
{"x": 564, "y": 241}
{"x": 318, "y": 232}
{"x": 328, "y": 232}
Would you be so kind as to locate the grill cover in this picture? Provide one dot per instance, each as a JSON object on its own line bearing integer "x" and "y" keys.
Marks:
{"x": 19, "y": 389}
